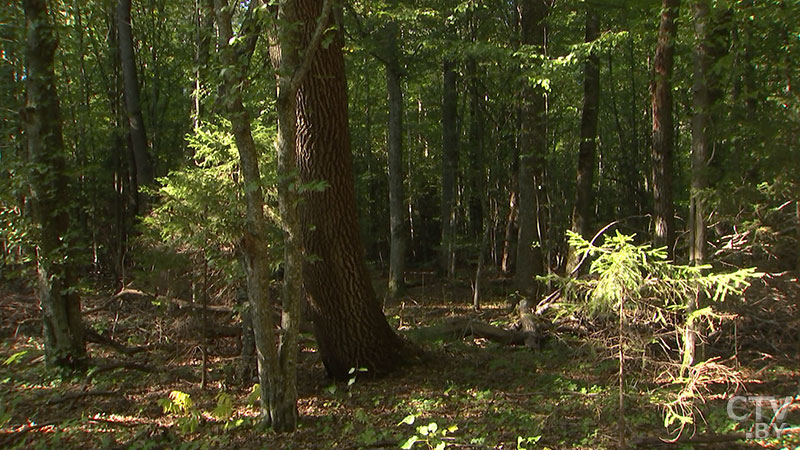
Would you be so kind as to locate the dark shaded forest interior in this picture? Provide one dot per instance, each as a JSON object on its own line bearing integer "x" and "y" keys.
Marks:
{"x": 417, "y": 224}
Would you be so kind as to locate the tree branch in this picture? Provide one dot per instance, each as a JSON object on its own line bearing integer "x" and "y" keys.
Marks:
{"x": 313, "y": 45}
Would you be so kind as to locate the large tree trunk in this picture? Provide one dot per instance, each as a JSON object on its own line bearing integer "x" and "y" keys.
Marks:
{"x": 61, "y": 307}
{"x": 349, "y": 325}
{"x": 449, "y": 166}
{"x": 397, "y": 211}
{"x": 663, "y": 145}
{"x": 533, "y": 136}
{"x": 584, "y": 195}
{"x": 296, "y": 49}
{"x": 138, "y": 137}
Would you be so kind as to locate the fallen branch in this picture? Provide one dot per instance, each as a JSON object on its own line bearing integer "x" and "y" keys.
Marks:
{"x": 461, "y": 327}
{"x": 183, "y": 304}
{"x": 114, "y": 422}
{"x": 114, "y": 365}
{"x": 100, "y": 339}
{"x": 135, "y": 294}
{"x": 7, "y": 439}
{"x": 529, "y": 325}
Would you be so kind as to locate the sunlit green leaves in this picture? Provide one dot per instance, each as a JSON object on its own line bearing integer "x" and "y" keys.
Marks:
{"x": 201, "y": 207}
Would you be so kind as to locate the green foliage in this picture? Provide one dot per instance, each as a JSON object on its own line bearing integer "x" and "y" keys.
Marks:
{"x": 201, "y": 207}
{"x": 224, "y": 409}
{"x": 15, "y": 358}
{"x": 524, "y": 442}
{"x": 623, "y": 273}
{"x": 430, "y": 436}
{"x": 636, "y": 281}
{"x": 254, "y": 396}
{"x": 200, "y": 213}
{"x": 180, "y": 404}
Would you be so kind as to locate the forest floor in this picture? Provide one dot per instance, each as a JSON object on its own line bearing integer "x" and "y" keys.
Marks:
{"x": 479, "y": 394}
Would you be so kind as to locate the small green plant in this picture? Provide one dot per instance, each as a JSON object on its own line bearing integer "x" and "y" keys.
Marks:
{"x": 254, "y": 396}
{"x": 353, "y": 372}
{"x": 430, "y": 436}
{"x": 15, "y": 358}
{"x": 637, "y": 284}
{"x": 524, "y": 442}
{"x": 180, "y": 404}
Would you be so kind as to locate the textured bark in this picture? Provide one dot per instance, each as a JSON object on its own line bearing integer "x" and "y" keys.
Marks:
{"x": 663, "y": 129}
{"x": 584, "y": 195}
{"x": 533, "y": 135}
{"x": 138, "y": 137}
{"x": 61, "y": 307}
{"x": 291, "y": 69}
{"x": 349, "y": 325}
{"x": 449, "y": 166}
{"x": 397, "y": 210}
{"x": 254, "y": 242}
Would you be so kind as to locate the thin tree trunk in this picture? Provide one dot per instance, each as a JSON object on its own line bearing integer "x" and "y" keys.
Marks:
{"x": 138, "y": 137}
{"x": 449, "y": 166}
{"x": 701, "y": 140}
{"x": 61, "y": 307}
{"x": 507, "y": 262}
{"x": 700, "y": 153}
{"x": 482, "y": 250}
{"x": 476, "y": 177}
{"x": 711, "y": 43}
{"x": 531, "y": 160}
{"x": 254, "y": 243}
{"x": 397, "y": 211}
{"x": 350, "y": 327}
{"x": 584, "y": 195}
{"x": 663, "y": 129}
{"x": 797, "y": 225}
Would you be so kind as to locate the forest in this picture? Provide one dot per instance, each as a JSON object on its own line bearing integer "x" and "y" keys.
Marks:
{"x": 416, "y": 224}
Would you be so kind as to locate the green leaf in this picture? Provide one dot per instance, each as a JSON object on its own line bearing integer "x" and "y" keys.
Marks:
{"x": 410, "y": 442}
{"x": 14, "y": 358}
{"x": 408, "y": 420}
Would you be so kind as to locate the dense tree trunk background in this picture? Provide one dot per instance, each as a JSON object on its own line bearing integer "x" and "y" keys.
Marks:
{"x": 398, "y": 224}
{"x": 584, "y": 189}
{"x": 449, "y": 166}
{"x": 663, "y": 129}
{"x": 138, "y": 136}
